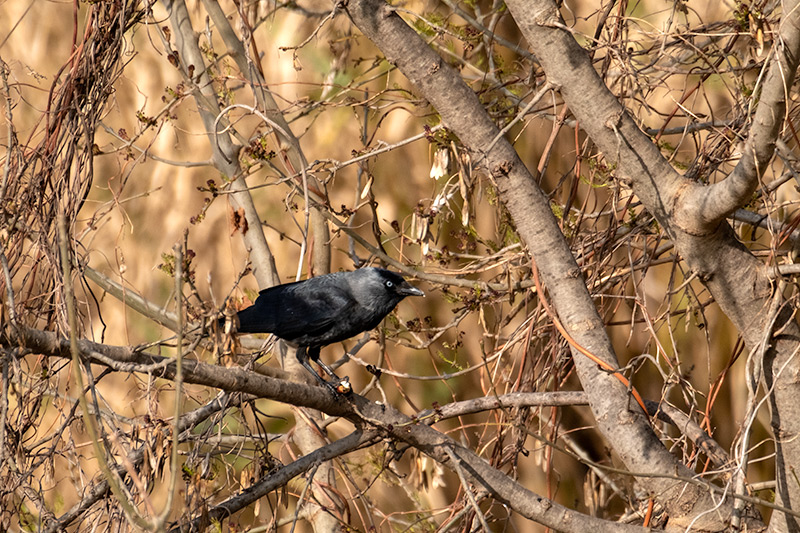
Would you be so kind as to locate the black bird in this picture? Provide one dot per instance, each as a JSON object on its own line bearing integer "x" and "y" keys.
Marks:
{"x": 319, "y": 311}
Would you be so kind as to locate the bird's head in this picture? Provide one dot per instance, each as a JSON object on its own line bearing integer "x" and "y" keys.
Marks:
{"x": 394, "y": 283}
{"x": 378, "y": 287}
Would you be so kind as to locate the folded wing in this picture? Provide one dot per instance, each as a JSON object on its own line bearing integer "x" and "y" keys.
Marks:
{"x": 299, "y": 312}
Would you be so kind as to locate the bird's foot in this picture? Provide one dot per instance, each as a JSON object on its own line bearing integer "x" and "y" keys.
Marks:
{"x": 341, "y": 387}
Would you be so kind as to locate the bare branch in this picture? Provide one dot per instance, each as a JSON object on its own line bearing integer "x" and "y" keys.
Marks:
{"x": 721, "y": 199}
{"x": 463, "y": 113}
{"x": 225, "y": 152}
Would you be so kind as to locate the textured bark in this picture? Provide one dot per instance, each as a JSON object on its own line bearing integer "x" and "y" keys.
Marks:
{"x": 225, "y": 151}
{"x": 307, "y": 437}
{"x": 619, "y": 419}
{"x": 359, "y": 410}
{"x": 719, "y": 200}
{"x": 739, "y": 282}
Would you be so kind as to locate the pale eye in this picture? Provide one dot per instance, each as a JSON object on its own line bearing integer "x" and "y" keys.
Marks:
{"x": 389, "y": 284}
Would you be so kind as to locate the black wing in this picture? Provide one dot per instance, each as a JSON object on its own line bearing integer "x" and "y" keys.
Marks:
{"x": 305, "y": 313}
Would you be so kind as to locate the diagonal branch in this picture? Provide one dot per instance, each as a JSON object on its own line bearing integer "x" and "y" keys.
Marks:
{"x": 280, "y": 477}
{"x": 359, "y": 410}
{"x": 289, "y": 144}
{"x": 225, "y": 151}
{"x": 621, "y": 422}
{"x": 721, "y": 199}
{"x": 739, "y": 282}
{"x": 133, "y": 299}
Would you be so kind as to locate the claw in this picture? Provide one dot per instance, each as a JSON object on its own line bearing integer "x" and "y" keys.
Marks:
{"x": 343, "y": 387}
{"x": 340, "y": 388}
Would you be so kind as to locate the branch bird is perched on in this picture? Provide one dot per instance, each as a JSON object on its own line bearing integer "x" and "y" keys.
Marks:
{"x": 319, "y": 311}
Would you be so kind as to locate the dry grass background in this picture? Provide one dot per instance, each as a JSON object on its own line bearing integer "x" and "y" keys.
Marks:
{"x": 140, "y": 206}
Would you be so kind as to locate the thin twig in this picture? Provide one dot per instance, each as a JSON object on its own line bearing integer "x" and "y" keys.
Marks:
{"x": 161, "y": 519}
{"x": 131, "y": 513}
{"x": 456, "y": 464}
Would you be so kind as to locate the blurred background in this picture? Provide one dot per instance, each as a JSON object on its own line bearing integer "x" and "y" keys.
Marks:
{"x": 685, "y": 70}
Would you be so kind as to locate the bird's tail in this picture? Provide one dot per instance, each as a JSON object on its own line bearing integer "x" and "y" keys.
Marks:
{"x": 254, "y": 320}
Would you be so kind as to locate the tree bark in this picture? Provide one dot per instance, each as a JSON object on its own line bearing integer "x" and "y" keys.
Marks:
{"x": 226, "y": 159}
{"x": 619, "y": 419}
{"x": 359, "y": 410}
{"x": 691, "y": 214}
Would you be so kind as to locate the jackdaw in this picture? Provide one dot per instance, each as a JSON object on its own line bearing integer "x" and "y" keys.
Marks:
{"x": 319, "y": 311}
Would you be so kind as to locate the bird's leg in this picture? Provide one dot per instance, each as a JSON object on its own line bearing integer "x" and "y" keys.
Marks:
{"x": 303, "y": 355}
{"x": 341, "y": 385}
{"x": 328, "y": 370}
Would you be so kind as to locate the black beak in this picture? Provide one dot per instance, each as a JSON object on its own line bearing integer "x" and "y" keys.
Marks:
{"x": 406, "y": 289}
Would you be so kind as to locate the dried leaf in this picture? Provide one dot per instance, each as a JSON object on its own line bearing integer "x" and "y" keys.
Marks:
{"x": 441, "y": 160}
{"x": 366, "y": 189}
{"x": 238, "y": 221}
